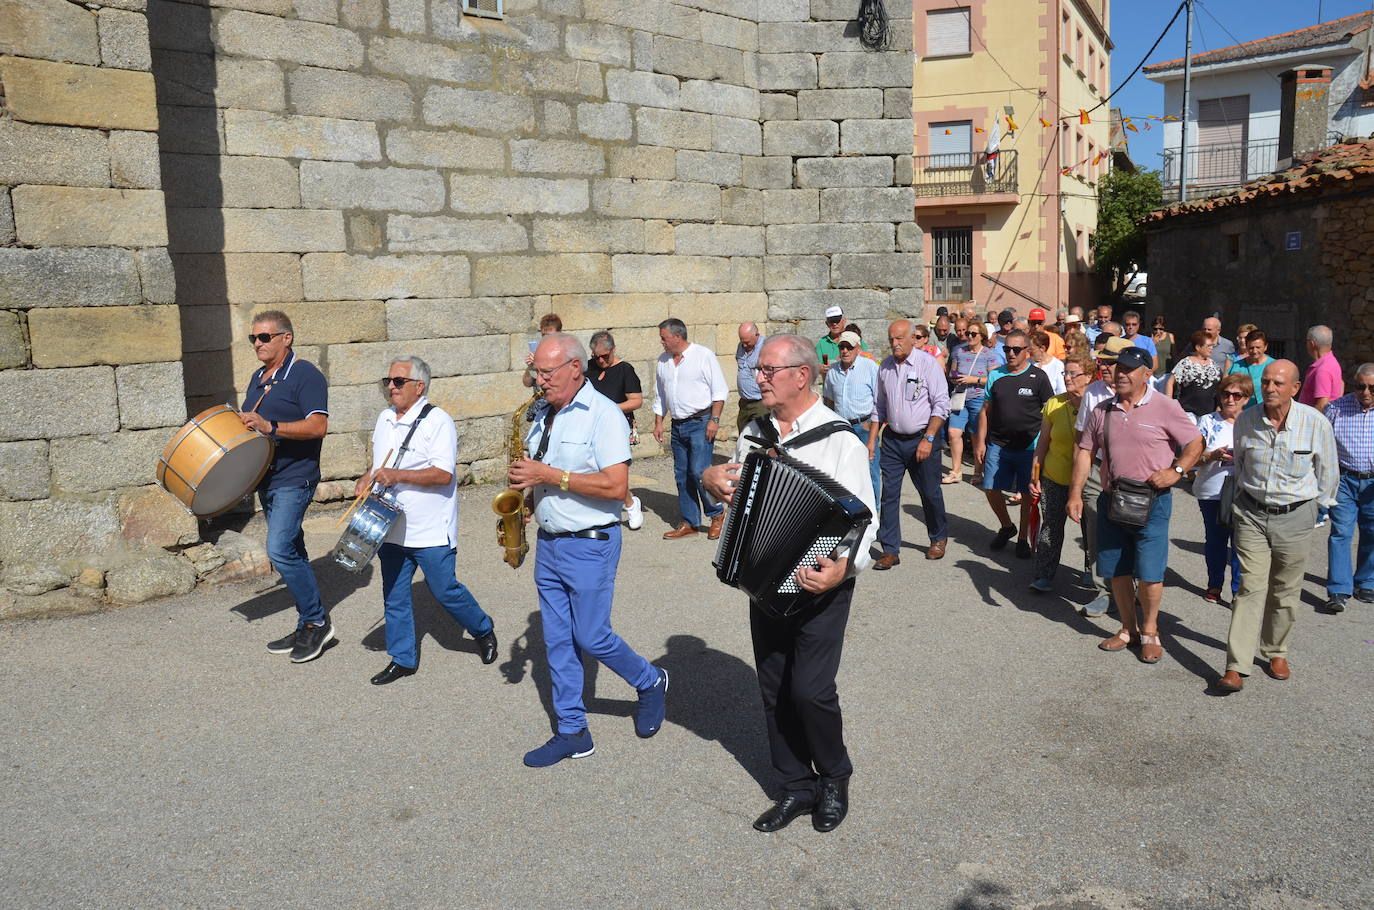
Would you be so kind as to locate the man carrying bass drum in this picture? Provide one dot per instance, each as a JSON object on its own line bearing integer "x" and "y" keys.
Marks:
{"x": 292, "y": 407}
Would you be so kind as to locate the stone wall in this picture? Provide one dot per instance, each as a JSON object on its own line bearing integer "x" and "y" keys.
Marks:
{"x": 1328, "y": 280}
{"x": 90, "y": 341}
{"x": 400, "y": 178}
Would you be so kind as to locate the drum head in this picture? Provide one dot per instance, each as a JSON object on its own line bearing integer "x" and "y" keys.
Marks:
{"x": 235, "y": 473}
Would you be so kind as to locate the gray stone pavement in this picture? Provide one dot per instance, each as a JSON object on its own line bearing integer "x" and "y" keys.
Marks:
{"x": 158, "y": 756}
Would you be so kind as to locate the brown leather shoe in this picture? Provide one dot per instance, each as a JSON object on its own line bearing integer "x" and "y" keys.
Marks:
{"x": 1231, "y": 682}
{"x": 936, "y": 550}
{"x": 716, "y": 524}
{"x": 1118, "y": 642}
{"x": 1278, "y": 668}
{"x": 681, "y": 531}
{"x": 887, "y": 561}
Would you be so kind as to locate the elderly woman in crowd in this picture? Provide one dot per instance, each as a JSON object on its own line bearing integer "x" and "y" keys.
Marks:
{"x": 1215, "y": 465}
{"x": 1054, "y": 467}
{"x": 618, "y": 381}
{"x": 969, "y": 366}
{"x": 1255, "y": 360}
{"x": 1193, "y": 380}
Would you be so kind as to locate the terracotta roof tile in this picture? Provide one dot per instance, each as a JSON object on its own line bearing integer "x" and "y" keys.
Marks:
{"x": 1333, "y": 32}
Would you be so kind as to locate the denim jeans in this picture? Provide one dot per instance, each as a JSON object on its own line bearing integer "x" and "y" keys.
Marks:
{"x": 1217, "y": 546}
{"x": 873, "y": 463}
{"x": 898, "y": 458}
{"x": 284, "y": 508}
{"x": 398, "y": 571}
{"x": 1354, "y": 509}
{"x": 692, "y": 456}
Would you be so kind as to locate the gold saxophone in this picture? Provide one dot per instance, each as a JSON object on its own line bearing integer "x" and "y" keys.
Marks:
{"x": 510, "y": 502}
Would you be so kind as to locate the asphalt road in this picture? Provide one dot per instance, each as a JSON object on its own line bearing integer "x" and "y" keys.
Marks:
{"x": 158, "y": 756}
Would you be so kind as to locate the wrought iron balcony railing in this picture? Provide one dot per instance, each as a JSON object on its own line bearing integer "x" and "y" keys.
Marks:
{"x": 965, "y": 174}
{"x": 1214, "y": 169}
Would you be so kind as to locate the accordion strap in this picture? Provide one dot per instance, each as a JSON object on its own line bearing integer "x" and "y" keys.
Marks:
{"x": 769, "y": 438}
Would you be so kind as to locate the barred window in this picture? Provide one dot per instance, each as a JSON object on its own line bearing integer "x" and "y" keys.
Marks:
{"x": 491, "y": 8}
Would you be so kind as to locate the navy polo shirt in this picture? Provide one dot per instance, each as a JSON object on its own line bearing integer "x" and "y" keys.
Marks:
{"x": 296, "y": 391}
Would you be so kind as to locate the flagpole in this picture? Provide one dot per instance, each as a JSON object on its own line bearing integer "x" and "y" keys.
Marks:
{"x": 1187, "y": 90}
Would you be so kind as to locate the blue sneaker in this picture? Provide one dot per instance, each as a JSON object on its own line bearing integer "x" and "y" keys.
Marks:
{"x": 1097, "y": 607}
{"x": 563, "y": 745}
{"x": 652, "y": 707}
{"x": 1042, "y": 586}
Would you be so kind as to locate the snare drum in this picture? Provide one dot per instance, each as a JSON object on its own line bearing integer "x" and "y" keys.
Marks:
{"x": 366, "y": 530}
{"x": 214, "y": 461}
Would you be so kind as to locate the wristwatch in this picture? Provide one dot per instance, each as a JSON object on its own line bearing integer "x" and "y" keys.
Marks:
{"x": 930, "y": 438}
{"x": 274, "y": 429}
{"x": 564, "y": 481}
{"x": 1177, "y": 470}
{"x": 713, "y": 419}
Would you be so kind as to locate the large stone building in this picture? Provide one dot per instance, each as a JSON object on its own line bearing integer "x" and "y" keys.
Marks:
{"x": 1006, "y": 171}
{"x": 402, "y": 176}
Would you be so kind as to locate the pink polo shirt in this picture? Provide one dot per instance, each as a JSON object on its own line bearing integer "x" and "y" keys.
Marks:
{"x": 1143, "y": 439}
{"x": 1323, "y": 381}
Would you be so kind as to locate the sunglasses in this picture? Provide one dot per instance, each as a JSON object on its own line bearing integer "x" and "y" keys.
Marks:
{"x": 973, "y": 334}
{"x": 263, "y": 337}
{"x": 396, "y": 381}
{"x": 1361, "y": 387}
{"x": 1234, "y": 395}
{"x": 920, "y": 337}
{"x": 1014, "y": 350}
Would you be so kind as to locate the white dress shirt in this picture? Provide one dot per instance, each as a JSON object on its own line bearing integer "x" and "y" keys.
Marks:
{"x": 683, "y": 389}
{"x": 429, "y": 514}
{"x": 840, "y": 455}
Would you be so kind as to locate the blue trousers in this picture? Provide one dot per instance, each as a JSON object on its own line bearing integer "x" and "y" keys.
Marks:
{"x": 1217, "y": 548}
{"x": 284, "y": 508}
{"x": 898, "y": 457}
{"x": 575, "y": 579}
{"x": 398, "y": 570}
{"x": 1354, "y": 509}
{"x": 873, "y": 463}
{"x": 692, "y": 456}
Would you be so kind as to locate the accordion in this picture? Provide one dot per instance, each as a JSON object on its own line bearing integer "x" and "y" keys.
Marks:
{"x": 785, "y": 514}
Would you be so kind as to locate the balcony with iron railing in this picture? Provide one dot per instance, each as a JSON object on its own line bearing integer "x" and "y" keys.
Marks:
{"x": 986, "y": 179}
{"x": 1216, "y": 169}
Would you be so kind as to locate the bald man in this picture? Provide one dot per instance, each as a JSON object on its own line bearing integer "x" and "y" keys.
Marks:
{"x": 746, "y": 358}
{"x": 1286, "y": 467}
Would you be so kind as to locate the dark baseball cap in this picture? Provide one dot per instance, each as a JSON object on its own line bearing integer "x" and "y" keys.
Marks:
{"x": 1134, "y": 358}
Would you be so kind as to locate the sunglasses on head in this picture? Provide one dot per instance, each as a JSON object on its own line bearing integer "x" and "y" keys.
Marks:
{"x": 397, "y": 381}
{"x": 263, "y": 337}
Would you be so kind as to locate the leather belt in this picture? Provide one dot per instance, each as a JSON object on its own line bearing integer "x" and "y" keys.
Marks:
{"x": 895, "y": 435}
{"x": 1358, "y": 475}
{"x": 596, "y": 533}
{"x": 1274, "y": 510}
{"x": 704, "y": 412}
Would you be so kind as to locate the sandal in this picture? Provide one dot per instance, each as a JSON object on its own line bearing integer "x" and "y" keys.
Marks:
{"x": 1150, "y": 649}
{"x": 1118, "y": 642}
{"x": 952, "y": 478}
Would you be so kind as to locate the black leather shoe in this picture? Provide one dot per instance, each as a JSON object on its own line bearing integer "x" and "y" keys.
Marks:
{"x": 393, "y": 672}
{"x": 832, "y": 804}
{"x": 782, "y": 813}
{"x": 486, "y": 647}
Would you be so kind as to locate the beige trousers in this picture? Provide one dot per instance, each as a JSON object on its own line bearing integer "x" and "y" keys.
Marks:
{"x": 1273, "y": 554}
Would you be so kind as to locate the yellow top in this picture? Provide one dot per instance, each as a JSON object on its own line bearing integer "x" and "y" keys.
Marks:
{"x": 1059, "y": 459}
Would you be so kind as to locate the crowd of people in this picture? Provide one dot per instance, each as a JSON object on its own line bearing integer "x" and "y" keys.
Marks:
{"x": 1083, "y": 419}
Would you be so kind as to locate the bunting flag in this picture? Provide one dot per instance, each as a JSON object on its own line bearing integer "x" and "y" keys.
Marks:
{"x": 1011, "y": 124}
{"x": 1044, "y": 122}
{"x": 1083, "y": 117}
{"x": 947, "y": 132}
{"x": 1098, "y": 157}
{"x": 1131, "y": 126}
{"x": 979, "y": 129}
{"x": 1147, "y": 126}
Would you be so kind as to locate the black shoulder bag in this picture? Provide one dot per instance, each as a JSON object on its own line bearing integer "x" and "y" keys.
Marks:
{"x": 1130, "y": 501}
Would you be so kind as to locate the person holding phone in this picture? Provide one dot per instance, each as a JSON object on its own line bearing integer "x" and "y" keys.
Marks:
{"x": 1216, "y": 464}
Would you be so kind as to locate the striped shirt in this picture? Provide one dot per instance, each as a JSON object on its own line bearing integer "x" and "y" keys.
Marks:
{"x": 1354, "y": 429}
{"x": 1281, "y": 467}
{"x": 910, "y": 392}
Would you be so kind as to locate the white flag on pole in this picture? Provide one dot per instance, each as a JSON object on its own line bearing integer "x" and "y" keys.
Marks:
{"x": 992, "y": 150}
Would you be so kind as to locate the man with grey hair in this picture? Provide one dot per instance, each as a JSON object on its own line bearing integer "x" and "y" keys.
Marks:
{"x": 689, "y": 389}
{"x": 1352, "y": 422}
{"x": 414, "y": 452}
{"x": 1223, "y": 349}
{"x": 1323, "y": 384}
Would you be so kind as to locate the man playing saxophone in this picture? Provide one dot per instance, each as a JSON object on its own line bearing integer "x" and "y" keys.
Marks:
{"x": 424, "y": 446}
{"x": 577, "y": 473}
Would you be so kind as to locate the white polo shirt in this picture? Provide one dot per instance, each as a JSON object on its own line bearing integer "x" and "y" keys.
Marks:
{"x": 683, "y": 389}
{"x": 430, "y": 514}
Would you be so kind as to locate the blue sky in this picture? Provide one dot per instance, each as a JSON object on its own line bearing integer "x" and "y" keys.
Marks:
{"x": 1217, "y": 23}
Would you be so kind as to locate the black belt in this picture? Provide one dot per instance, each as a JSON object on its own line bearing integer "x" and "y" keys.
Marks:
{"x": 895, "y": 435}
{"x": 1274, "y": 510}
{"x": 1358, "y": 475}
{"x": 749, "y": 401}
{"x": 704, "y": 412}
{"x": 596, "y": 533}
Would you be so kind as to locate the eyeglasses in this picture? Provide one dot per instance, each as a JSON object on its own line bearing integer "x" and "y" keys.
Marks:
{"x": 548, "y": 374}
{"x": 1233, "y": 395}
{"x": 1075, "y": 375}
{"x": 1361, "y": 387}
{"x": 263, "y": 337}
{"x": 770, "y": 371}
{"x": 1013, "y": 350}
{"x": 396, "y": 381}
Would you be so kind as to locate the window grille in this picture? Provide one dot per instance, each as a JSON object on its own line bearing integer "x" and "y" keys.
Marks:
{"x": 491, "y": 8}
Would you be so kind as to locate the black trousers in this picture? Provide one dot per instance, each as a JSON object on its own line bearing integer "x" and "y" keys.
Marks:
{"x": 797, "y": 658}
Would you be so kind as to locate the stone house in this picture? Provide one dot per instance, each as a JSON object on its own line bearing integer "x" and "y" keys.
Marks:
{"x": 1286, "y": 252}
{"x": 403, "y": 176}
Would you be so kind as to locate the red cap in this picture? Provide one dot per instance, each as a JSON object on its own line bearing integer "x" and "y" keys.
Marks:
{"x": 1036, "y": 314}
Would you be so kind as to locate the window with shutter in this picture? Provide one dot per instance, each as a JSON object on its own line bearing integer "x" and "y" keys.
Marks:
{"x": 492, "y": 8}
{"x": 951, "y": 144}
{"x": 947, "y": 32}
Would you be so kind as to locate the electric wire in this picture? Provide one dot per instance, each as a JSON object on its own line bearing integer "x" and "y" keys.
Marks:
{"x": 873, "y": 32}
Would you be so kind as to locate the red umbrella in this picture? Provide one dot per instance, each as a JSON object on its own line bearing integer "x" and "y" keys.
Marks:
{"x": 1035, "y": 506}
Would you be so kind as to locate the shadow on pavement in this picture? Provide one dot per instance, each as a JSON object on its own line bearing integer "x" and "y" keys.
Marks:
{"x": 430, "y": 620}
{"x": 335, "y": 582}
{"x": 527, "y": 655}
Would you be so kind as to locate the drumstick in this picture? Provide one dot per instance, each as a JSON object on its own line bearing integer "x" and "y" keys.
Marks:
{"x": 254, "y": 408}
{"x": 362, "y": 495}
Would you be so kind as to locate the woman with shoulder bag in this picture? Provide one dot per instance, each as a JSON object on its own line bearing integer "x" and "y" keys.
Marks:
{"x": 1214, "y": 469}
{"x": 969, "y": 366}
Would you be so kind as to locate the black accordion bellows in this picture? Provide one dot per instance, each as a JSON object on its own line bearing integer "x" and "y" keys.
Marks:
{"x": 785, "y": 514}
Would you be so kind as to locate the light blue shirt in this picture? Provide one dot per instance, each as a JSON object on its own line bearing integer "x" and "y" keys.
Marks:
{"x": 588, "y": 435}
{"x": 747, "y": 383}
{"x": 851, "y": 391}
{"x": 1143, "y": 341}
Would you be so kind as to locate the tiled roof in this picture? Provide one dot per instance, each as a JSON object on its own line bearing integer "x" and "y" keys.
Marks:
{"x": 1329, "y": 167}
{"x": 1333, "y": 32}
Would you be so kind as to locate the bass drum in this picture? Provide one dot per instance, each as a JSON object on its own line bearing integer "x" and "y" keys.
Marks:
{"x": 214, "y": 461}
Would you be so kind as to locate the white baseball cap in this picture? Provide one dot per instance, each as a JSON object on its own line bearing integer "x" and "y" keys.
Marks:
{"x": 832, "y": 312}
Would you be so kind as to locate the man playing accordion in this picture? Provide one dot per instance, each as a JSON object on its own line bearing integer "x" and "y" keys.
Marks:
{"x": 798, "y": 656}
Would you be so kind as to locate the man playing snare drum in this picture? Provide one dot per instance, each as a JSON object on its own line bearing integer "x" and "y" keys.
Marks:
{"x": 292, "y": 406}
{"x": 418, "y": 467}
